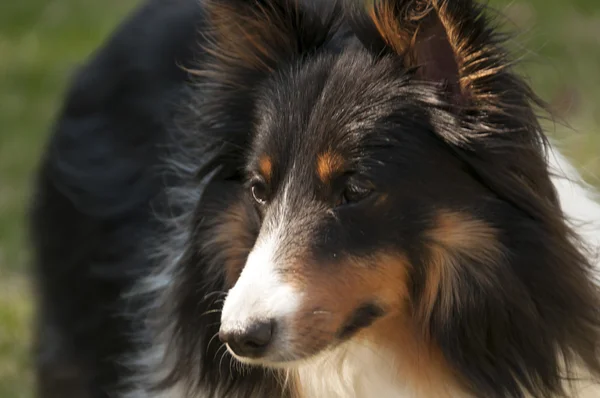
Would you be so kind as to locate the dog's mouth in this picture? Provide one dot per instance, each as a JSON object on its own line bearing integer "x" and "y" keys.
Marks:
{"x": 291, "y": 341}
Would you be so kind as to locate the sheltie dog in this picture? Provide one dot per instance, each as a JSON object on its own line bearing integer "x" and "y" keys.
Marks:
{"x": 311, "y": 199}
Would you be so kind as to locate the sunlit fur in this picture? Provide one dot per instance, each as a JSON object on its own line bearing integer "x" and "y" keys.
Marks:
{"x": 370, "y": 175}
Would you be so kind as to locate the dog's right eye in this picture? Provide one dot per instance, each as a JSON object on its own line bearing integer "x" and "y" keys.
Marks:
{"x": 259, "y": 192}
{"x": 353, "y": 193}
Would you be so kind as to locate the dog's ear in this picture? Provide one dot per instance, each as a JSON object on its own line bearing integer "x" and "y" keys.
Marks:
{"x": 255, "y": 36}
{"x": 452, "y": 43}
{"x": 445, "y": 41}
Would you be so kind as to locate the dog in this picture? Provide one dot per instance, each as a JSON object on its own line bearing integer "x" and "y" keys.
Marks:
{"x": 310, "y": 199}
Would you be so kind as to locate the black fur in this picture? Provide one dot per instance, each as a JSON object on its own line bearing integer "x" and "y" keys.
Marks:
{"x": 96, "y": 194}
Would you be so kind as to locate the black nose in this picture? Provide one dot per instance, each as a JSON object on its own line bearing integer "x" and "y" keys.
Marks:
{"x": 250, "y": 342}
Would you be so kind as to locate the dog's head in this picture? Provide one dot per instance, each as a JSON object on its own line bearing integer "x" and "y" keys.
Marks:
{"x": 389, "y": 187}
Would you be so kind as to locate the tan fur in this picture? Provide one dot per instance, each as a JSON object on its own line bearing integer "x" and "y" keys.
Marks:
{"x": 328, "y": 164}
{"x": 231, "y": 234}
{"x": 334, "y": 291}
{"x": 455, "y": 241}
{"x": 265, "y": 165}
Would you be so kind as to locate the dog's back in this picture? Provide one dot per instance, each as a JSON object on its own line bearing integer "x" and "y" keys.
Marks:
{"x": 97, "y": 188}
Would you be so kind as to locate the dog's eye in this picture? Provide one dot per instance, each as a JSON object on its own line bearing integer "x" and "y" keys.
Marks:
{"x": 259, "y": 192}
{"x": 353, "y": 194}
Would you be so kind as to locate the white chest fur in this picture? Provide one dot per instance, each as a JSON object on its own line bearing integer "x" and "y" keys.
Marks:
{"x": 353, "y": 371}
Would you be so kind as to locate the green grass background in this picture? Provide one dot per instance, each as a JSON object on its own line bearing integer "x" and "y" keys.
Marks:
{"x": 42, "y": 41}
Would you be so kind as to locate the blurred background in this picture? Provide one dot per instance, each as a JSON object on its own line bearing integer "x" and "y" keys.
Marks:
{"x": 43, "y": 41}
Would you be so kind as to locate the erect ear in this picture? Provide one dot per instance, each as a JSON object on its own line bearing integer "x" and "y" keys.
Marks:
{"x": 257, "y": 35}
{"x": 445, "y": 41}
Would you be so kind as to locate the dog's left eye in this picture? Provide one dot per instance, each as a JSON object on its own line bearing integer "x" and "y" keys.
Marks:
{"x": 259, "y": 192}
{"x": 353, "y": 194}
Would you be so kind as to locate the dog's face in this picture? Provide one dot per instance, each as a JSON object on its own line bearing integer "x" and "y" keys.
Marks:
{"x": 352, "y": 190}
{"x": 394, "y": 192}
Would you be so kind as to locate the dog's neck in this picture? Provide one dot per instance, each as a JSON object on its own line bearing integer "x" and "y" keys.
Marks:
{"x": 351, "y": 371}
{"x": 360, "y": 370}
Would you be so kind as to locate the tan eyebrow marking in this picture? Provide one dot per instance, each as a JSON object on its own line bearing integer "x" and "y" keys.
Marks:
{"x": 265, "y": 165}
{"x": 329, "y": 163}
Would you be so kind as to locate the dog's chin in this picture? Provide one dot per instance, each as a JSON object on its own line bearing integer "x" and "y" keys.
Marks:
{"x": 274, "y": 361}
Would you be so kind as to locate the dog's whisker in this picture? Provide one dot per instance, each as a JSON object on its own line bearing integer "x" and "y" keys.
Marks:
{"x": 211, "y": 340}
{"x": 215, "y": 311}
